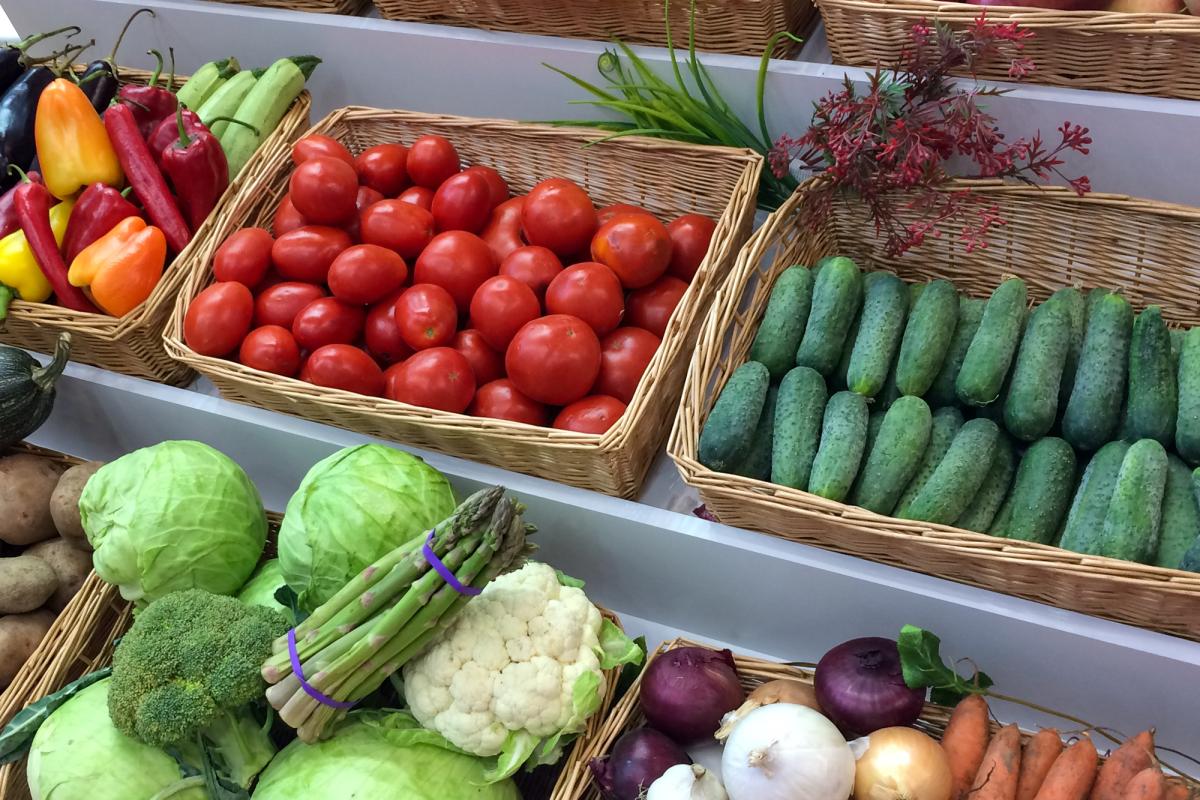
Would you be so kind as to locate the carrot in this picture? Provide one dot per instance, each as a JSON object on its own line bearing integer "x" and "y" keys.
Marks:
{"x": 964, "y": 742}
{"x": 1129, "y": 759}
{"x": 1073, "y": 773}
{"x": 1040, "y": 753}
{"x": 997, "y": 775}
{"x": 1146, "y": 785}
{"x": 1177, "y": 789}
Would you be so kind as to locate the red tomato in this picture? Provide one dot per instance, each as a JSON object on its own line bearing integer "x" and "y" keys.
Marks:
{"x": 690, "y": 235}
{"x": 343, "y": 366}
{"x": 436, "y": 378}
{"x": 271, "y": 348}
{"x": 462, "y": 203}
{"x": 318, "y": 146}
{"x": 426, "y": 316}
{"x": 595, "y": 414}
{"x": 554, "y": 360}
{"x": 366, "y": 273}
{"x": 534, "y": 266}
{"x": 417, "y": 196}
{"x": 486, "y": 363}
{"x": 651, "y": 308}
{"x": 624, "y": 355}
{"x": 398, "y": 226}
{"x": 383, "y": 168}
{"x": 366, "y": 198}
{"x": 327, "y": 320}
{"x": 381, "y": 334}
{"x": 635, "y": 246}
{"x": 306, "y": 253}
{"x": 608, "y": 212}
{"x": 323, "y": 190}
{"x": 279, "y": 304}
{"x": 218, "y": 318}
{"x": 503, "y": 231}
{"x": 502, "y": 400}
{"x": 457, "y": 261}
{"x": 287, "y": 218}
{"x": 244, "y": 257}
{"x": 497, "y": 185}
{"x": 431, "y": 160}
{"x": 589, "y": 291}
{"x": 501, "y": 307}
{"x": 559, "y": 215}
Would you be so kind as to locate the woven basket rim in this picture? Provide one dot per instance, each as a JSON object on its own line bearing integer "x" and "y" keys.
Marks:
{"x": 1172, "y": 24}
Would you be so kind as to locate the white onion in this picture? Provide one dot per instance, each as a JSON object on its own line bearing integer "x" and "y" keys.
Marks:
{"x": 686, "y": 782}
{"x": 784, "y": 752}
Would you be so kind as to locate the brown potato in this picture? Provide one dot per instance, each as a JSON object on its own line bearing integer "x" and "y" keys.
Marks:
{"x": 26, "y": 583}
{"x": 20, "y": 635}
{"x": 64, "y": 503}
{"x": 70, "y": 564}
{"x": 26, "y": 483}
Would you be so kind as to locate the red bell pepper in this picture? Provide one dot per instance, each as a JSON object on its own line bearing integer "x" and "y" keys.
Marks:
{"x": 8, "y": 211}
{"x": 96, "y": 212}
{"x": 151, "y": 103}
{"x": 166, "y": 132}
{"x": 32, "y": 202}
{"x": 198, "y": 170}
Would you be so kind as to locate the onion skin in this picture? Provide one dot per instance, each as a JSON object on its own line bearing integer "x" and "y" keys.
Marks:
{"x": 861, "y": 687}
{"x": 686, "y": 691}
{"x": 902, "y": 764}
{"x": 638, "y": 759}
{"x": 777, "y": 691}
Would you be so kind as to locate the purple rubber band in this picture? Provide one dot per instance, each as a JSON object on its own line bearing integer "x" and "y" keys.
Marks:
{"x": 308, "y": 688}
{"x": 447, "y": 575}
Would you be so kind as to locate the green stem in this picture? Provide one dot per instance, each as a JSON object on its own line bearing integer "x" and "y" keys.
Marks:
{"x": 30, "y": 41}
{"x": 46, "y": 376}
{"x": 112, "y": 57}
{"x": 158, "y": 68}
{"x": 7, "y": 295}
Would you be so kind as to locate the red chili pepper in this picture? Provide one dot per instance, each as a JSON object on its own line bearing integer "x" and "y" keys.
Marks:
{"x": 145, "y": 177}
{"x": 166, "y": 133}
{"x": 96, "y": 212}
{"x": 8, "y": 213}
{"x": 198, "y": 170}
{"x": 150, "y": 104}
{"x": 32, "y": 202}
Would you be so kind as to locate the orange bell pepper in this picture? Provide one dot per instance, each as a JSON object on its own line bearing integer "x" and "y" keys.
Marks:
{"x": 72, "y": 145}
{"x": 122, "y": 267}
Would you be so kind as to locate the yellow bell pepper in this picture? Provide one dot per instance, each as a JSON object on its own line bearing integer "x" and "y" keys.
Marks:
{"x": 122, "y": 267}
{"x": 20, "y": 276}
{"x": 72, "y": 146}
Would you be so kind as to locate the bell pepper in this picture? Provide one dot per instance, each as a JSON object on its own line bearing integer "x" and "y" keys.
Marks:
{"x": 198, "y": 170}
{"x": 20, "y": 276}
{"x": 72, "y": 147}
{"x": 97, "y": 211}
{"x": 151, "y": 103}
{"x": 166, "y": 133}
{"x": 123, "y": 266}
{"x": 32, "y": 201}
{"x": 145, "y": 177}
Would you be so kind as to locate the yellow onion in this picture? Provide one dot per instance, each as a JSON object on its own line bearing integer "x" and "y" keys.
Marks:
{"x": 900, "y": 764}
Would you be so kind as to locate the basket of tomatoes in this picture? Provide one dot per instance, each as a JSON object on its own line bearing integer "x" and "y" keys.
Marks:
{"x": 484, "y": 288}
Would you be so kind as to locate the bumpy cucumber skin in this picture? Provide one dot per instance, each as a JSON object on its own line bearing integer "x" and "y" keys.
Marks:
{"x": 1085, "y": 518}
{"x": 1180, "y": 515}
{"x": 1042, "y": 491}
{"x": 1073, "y": 301}
{"x": 837, "y": 294}
{"x": 953, "y": 485}
{"x": 799, "y": 410}
{"x": 1132, "y": 524}
{"x": 1153, "y": 392}
{"x": 874, "y": 424}
{"x": 1092, "y": 416}
{"x": 945, "y": 426}
{"x": 843, "y": 438}
{"x": 979, "y": 515}
{"x": 837, "y": 381}
{"x": 1003, "y": 518}
{"x": 927, "y": 337}
{"x": 1031, "y": 402}
{"x": 783, "y": 322}
{"x": 1187, "y": 423}
{"x": 970, "y": 314}
{"x": 726, "y": 437}
{"x": 757, "y": 463}
{"x": 885, "y": 306}
{"x": 991, "y": 352}
{"x": 895, "y": 455}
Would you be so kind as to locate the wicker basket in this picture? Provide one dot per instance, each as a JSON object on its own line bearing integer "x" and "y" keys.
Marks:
{"x": 1140, "y": 247}
{"x": 1110, "y": 51}
{"x": 667, "y": 178}
{"x": 133, "y": 344}
{"x": 351, "y": 7}
{"x": 742, "y": 27}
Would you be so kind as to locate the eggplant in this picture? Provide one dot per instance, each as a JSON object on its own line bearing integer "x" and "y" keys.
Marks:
{"x": 12, "y": 57}
{"x": 99, "y": 83}
{"x": 18, "y": 108}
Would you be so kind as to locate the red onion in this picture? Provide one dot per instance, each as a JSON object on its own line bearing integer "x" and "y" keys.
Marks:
{"x": 686, "y": 691}
{"x": 861, "y": 688}
{"x": 638, "y": 759}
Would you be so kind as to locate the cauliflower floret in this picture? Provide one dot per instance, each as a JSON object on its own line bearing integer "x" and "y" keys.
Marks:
{"x": 509, "y": 662}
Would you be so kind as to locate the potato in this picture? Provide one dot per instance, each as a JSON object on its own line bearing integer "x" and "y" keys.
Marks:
{"x": 70, "y": 564}
{"x": 26, "y": 483}
{"x": 20, "y": 635}
{"x": 64, "y": 503}
{"x": 26, "y": 583}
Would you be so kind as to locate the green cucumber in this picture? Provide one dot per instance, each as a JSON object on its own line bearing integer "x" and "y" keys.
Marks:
{"x": 1092, "y": 416}
{"x": 945, "y": 426}
{"x": 799, "y": 410}
{"x": 885, "y": 305}
{"x": 986, "y": 364}
{"x": 225, "y": 101}
{"x": 1191, "y": 559}
{"x": 927, "y": 338}
{"x": 843, "y": 437}
{"x": 1132, "y": 524}
{"x": 1152, "y": 389}
{"x": 757, "y": 463}
{"x": 1004, "y": 515}
{"x": 1085, "y": 519}
{"x": 1176, "y": 335}
{"x": 263, "y": 108}
{"x": 1187, "y": 423}
{"x": 1031, "y": 402}
{"x": 874, "y": 424}
{"x": 783, "y": 322}
{"x": 726, "y": 437}
{"x": 838, "y": 379}
{"x": 1180, "y": 516}
{"x": 1041, "y": 492}
{"x": 837, "y": 294}
{"x": 895, "y": 455}
{"x": 1073, "y": 301}
{"x": 953, "y": 485}
{"x": 979, "y": 515}
{"x": 970, "y": 314}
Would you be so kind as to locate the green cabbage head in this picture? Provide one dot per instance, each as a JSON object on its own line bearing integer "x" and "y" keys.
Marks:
{"x": 260, "y": 589}
{"x": 77, "y": 754}
{"x": 178, "y": 515}
{"x": 352, "y": 508}
{"x": 379, "y": 754}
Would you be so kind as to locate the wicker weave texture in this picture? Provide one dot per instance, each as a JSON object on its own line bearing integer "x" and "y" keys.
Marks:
{"x": 1111, "y": 51}
{"x": 1052, "y": 239}
{"x": 667, "y": 178}
{"x": 351, "y": 7}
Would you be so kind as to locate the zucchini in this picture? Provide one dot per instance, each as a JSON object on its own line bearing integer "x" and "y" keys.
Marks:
{"x": 205, "y": 81}
{"x": 757, "y": 463}
{"x": 1187, "y": 423}
{"x": 885, "y": 306}
{"x": 1031, "y": 402}
{"x": 895, "y": 455}
{"x": 1180, "y": 516}
{"x": 837, "y": 294}
{"x": 843, "y": 437}
{"x": 1085, "y": 519}
{"x": 1041, "y": 492}
{"x": 726, "y": 437}
{"x": 27, "y": 389}
{"x": 1073, "y": 301}
{"x": 995, "y": 343}
{"x": 955, "y": 482}
{"x": 1093, "y": 413}
{"x": 927, "y": 337}
{"x": 970, "y": 314}
{"x": 979, "y": 515}
{"x": 783, "y": 322}
{"x": 225, "y": 101}
{"x": 945, "y": 426}
{"x": 1131, "y": 526}
{"x": 799, "y": 409}
{"x": 264, "y": 107}
{"x": 1152, "y": 389}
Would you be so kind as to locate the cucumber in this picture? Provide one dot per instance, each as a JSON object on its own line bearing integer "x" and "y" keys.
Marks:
{"x": 953, "y": 485}
{"x": 1152, "y": 389}
{"x": 1090, "y": 504}
{"x": 1180, "y": 516}
{"x": 979, "y": 515}
{"x": 837, "y": 294}
{"x": 1176, "y": 335}
{"x": 757, "y": 464}
{"x": 1191, "y": 559}
{"x": 927, "y": 337}
{"x": 1072, "y": 300}
{"x": 727, "y": 433}
{"x": 838, "y": 379}
{"x": 264, "y": 107}
{"x": 843, "y": 437}
{"x": 1187, "y": 423}
{"x": 799, "y": 410}
{"x": 1132, "y": 524}
{"x": 1093, "y": 413}
{"x": 914, "y": 294}
{"x": 874, "y": 423}
{"x": 205, "y": 81}
{"x": 945, "y": 426}
{"x": 1031, "y": 402}
{"x": 970, "y": 314}
{"x": 783, "y": 322}
{"x": 225, "y": 101}
{"x": 1041, "y": 492}
{"x": 1004, "y": 515}
{"x": 885, "y": 306}
{"x": 895, "y": 455}
{"x": 986, "y": 364}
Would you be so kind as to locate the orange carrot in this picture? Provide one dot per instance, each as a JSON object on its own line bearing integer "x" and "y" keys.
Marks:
{"x": 1146, "y": 785}
{"x": 965, "y": 741}
{"x": 1039, "y": 755}
{"x": 997, "y": 775}
{"x": 1129, "y": 759}
{"x": 1073, "y": 773}
{"x": 1177, "y": 790}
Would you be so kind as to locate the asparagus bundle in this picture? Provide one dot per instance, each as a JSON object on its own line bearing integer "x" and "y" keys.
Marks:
{"x": 390, "y": 612}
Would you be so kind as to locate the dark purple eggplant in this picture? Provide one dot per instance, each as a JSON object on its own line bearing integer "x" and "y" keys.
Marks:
{"x": 12, "y": 57}
{"x": 18, "y": 107}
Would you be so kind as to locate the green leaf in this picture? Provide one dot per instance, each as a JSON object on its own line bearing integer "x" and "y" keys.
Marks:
{"x": 566, "y": 580}
{"x": 518, "y": 747}
{"x": 286, "y": 596}
{"x": 922, "y": 665}
{"x": 18, "y": 734}
{"x": 616, "y": 648}
{"x": 630, "y": 671}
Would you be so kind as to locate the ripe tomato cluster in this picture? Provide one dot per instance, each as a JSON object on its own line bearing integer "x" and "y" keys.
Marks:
{"x": 398, "y": 273}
